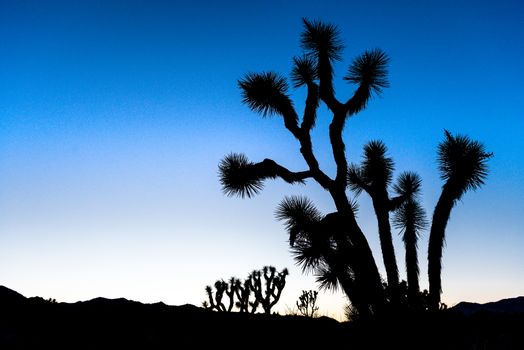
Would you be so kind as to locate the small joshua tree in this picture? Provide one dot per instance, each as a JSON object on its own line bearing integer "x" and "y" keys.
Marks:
{"x": 243, "y": 292}
{"x": 215, "y": 302}
{"x": 268, "y": 292}
{"x": 306, "y": 303}
{"x": 261, "y": 288}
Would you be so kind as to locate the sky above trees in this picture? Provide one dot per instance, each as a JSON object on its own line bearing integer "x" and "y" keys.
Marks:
{"x": 114, "y": 117}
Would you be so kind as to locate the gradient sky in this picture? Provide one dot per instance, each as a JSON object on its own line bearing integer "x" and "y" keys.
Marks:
{"x": 115, "y": 114}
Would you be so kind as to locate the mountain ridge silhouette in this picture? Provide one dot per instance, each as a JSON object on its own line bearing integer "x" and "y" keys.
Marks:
{"x": 507, "y": 305}
{"x": 102, "y": 323}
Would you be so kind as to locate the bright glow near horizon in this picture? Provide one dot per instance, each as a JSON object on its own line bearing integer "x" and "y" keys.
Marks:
{"x": 114, "y": 116}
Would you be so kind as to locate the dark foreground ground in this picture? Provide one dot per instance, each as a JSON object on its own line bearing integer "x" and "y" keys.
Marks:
{"x": 33, "y": 323}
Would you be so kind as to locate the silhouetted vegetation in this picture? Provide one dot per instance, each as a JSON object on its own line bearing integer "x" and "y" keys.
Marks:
{"x": 333, "y": 245}
{"x": 264, "y": 285}
{"x": 306, "y": 304}
{"x": 36, "y": 323}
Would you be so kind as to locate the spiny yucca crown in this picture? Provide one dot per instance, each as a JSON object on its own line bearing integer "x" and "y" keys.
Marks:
{"x": 321, "y": 39}
{"x": 264, "y": 93}
{"x": 370, "y": 69}
{"x": 462, "y": 163}
{"x": 236, "y": 177}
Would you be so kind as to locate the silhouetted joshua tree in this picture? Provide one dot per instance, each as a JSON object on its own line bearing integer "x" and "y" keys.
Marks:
{"x": 243, "y": 292}
{"x": 215, "y": 303}
{"x": 267, "y": 292}
{"x": 410, "y": 218}
{"x": 306, "y": 304}
{"x": 463, "y": 167}
{"x": 374, "y": 177}
{"x": 333, "y": 246}
{"x": 264, "y": 285}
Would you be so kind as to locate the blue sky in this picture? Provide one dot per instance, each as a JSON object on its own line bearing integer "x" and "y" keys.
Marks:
{"x": 115, "y": 114}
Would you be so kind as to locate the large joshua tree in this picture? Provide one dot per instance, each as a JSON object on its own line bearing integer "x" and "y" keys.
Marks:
{"x": 333, "y": 245}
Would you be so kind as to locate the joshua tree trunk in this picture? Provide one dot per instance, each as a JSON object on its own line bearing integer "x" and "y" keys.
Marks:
{"x": 412, "y": 266}
{"x": 366, "y": 271}
{"x": 436, "y": 244}
{"x": 386, "y": 245}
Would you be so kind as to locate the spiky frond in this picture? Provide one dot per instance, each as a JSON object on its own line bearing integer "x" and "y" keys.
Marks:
{"x": 265, "y": 93}
{"x": 304, "y": 71}
{"x": 370, "y": 70}
{"x": 408, "y": 184}
{"x": 353, "y": 204}
{"x": 299, "y": 214}
{"x": 326, "y": 278}
{"x": 462, "y": 163}
{"x": 237, "y": 176}
{"x": 307, "y": 255}
{"x": 355, "y": 179}
{"x": 377, "y": 168}
{"x": 410, "y": 218}
{"x": 321, "y": 39}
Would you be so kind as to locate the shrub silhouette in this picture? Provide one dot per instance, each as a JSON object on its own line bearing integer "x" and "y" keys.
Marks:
{"x": 333, "y": 245}
{"x": 306, "y": 303}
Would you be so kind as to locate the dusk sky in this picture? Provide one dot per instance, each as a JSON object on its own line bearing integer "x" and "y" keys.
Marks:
{"x": 114, "y": 116}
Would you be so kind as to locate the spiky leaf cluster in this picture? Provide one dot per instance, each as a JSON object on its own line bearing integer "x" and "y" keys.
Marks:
{"x": 321, "y": 39}
{"x": 265, "y": 93}
{"x": 300, "y": 216}
{"x": 237, "y": 176}
{"x": 371, "y": 70}
{"x": 410, "y": 215}
{"x": 327, "y": 278}
{"x": 462, "y": 163}
{"x": 408, "y": 184}
{"x": 377, "y": 167}
{"x": 304, "y": 71}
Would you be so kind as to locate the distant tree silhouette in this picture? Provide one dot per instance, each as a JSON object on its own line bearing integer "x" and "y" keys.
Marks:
{"x": 215, "y": 302}
{"x": 333, "y": 245}
{"x": 306, "y": 304}
{"x": 267, "y": 291}
{"x": 243, "y": 292}
{"x": 265, "y": 286}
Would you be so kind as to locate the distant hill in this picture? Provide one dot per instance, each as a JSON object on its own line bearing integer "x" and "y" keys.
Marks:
{"x": 101, "y": 323}
{"x": 10, "y": 297}
{"x": 511, "y": 305}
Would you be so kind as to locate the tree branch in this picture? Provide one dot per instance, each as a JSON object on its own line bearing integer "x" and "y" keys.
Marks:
{"x": 310, "y": 111}
{"x": 325, "y": 75}
{"x": 239, "y": 176}
{"x": 288, "y": 113}
{"x": 306, "y": 147}
{"x": 272, "y": 169}
{"x": 339, "y": 148}
{"x": 358, "y": 101}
